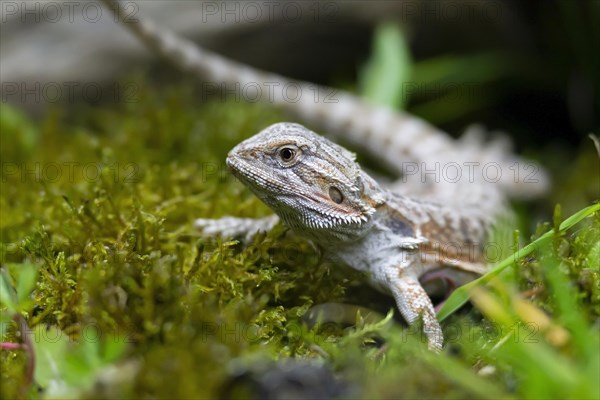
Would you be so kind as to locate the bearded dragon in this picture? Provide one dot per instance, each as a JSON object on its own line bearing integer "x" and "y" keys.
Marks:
{"x": 423, "y": 228}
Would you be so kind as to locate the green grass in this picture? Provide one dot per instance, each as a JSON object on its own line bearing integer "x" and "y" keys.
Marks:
{"x": 115, "y": 293}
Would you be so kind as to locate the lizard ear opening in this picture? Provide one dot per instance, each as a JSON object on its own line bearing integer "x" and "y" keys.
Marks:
{"x": 371, "y": 191}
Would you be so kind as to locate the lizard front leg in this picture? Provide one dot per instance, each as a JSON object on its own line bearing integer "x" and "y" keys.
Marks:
{"x": 414, "y": 303}
{"x": 244, "y": 228}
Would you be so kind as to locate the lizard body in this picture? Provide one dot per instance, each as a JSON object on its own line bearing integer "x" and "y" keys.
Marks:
{"x": 316, "y": 187}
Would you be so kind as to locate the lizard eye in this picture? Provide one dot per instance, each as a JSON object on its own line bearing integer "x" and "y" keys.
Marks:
{"x": 336, "y": 195}
{"x": 288, "y": 154}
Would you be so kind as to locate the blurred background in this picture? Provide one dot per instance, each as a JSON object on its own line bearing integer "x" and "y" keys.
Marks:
{"x": 534, "y": 66}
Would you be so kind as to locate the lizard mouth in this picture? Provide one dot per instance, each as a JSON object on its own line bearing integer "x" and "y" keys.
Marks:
{"x": 233, "y": 166}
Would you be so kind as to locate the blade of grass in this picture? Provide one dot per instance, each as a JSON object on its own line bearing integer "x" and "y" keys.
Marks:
{"x": 26, "y": 282}
{"x": 6, "y": 295}
{"x": 390, "y": 65}
{"x": 461, "y": 295}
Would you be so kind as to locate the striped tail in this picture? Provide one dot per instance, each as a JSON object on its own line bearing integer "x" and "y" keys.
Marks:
{"x": 423, "y": 154}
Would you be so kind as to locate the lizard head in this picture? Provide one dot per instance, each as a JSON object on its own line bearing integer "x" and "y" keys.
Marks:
{"x": 310, "y": 182}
